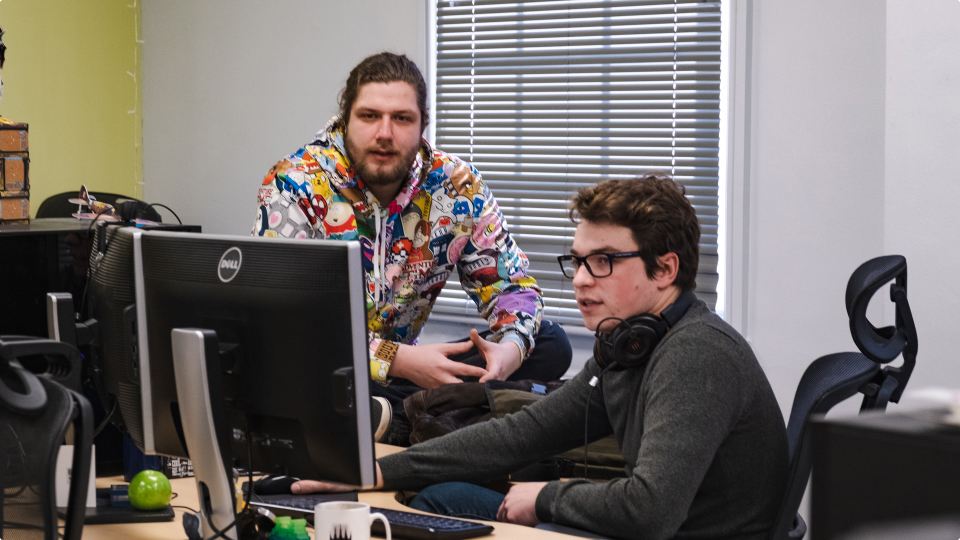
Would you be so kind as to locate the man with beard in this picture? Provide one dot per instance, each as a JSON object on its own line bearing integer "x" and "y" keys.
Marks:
{"x": 418, "y": 212}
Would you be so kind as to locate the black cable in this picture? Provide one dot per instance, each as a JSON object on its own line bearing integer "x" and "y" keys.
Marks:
{"x": 219, "y": 533}
{"x": 173, "y": 496}
{"x": 106, "y": 419}
{"x": 246, "y": 500}
{"x": 586, "y": 417}
{"x": 100, "y": 255}
{"x": 586, "y": 437}
{"x": 149, "y": 206}
{"x": 593, "y": 384}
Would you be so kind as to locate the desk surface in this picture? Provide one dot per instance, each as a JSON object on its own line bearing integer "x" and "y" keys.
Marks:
{"x": 187, "y": 496}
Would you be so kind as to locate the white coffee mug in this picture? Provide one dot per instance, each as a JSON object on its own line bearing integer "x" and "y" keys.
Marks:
{"x": 340, "y": 520}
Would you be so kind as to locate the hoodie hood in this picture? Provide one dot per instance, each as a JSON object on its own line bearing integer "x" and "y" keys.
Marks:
{"x": 333, "y": 138}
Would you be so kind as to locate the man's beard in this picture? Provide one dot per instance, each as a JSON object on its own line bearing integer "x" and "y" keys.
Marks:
{"x": 374, "y": 177}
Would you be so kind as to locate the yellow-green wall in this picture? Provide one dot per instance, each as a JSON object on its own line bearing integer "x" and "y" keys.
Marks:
{"x": 67, "y": 74}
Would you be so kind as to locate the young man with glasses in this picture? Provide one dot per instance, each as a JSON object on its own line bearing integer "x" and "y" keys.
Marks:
{"x": 697, "y": 423}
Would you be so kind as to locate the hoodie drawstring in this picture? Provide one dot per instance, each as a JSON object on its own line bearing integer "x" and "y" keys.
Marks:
{"x": 380, "y": 253}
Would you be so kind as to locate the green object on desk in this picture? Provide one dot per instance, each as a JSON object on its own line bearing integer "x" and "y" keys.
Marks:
{"x": 150, "y": 490}
{"x": 286, "y": 528}
{"x": 300, "y": 529}
{"x": 282, "y": 529}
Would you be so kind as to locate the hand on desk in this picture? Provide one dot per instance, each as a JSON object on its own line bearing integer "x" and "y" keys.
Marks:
{"x": 520, "y": 504}
{"x": 303, "y": 487}
{"x": 428, "y": 366}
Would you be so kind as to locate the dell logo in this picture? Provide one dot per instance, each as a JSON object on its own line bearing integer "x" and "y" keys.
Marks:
{"x": 229, "y": 264}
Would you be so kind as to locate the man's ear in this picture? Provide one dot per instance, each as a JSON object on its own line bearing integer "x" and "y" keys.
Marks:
{"x": 669, "y": 267}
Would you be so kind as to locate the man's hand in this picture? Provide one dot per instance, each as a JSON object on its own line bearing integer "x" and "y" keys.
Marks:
{"x": 303, "y": 487}
{"x": 520, "y": 504}
{"x": 502, "y": 358}
{"x": 428, "y": 366}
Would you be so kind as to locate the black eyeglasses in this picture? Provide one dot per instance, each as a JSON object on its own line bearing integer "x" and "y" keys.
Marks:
{"x": 598, "y": 264}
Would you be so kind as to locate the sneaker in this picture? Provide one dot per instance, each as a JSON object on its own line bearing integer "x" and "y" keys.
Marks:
{"x": 381, "y": 416}
{"x": 398, "y": 434}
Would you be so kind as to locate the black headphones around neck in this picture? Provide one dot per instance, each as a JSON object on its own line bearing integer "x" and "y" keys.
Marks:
{"x": 630, "y": 343}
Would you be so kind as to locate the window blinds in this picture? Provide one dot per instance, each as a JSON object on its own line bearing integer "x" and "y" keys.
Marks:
{"x": 545, "y": 97}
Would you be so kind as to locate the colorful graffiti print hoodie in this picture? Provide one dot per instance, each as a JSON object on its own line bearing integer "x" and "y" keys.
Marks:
{"x": 443, "y": 217}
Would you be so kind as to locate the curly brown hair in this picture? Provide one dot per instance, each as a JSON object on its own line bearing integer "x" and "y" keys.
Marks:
{"x": 657, "y": 212}
{"x": 384, "y": 67}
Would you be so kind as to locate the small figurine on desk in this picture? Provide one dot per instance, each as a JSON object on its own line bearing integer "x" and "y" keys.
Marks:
{"x": 103, "y": 211}
{"x": 98, "y": 210}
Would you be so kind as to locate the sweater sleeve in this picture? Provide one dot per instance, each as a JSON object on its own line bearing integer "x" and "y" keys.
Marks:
{"x": 691, "y": 404}
{"x": 493, "y": 449}
{"x": 494, "y": 274}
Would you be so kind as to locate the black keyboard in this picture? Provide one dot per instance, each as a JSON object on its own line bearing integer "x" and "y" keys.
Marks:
{"x": 405, "y": 525}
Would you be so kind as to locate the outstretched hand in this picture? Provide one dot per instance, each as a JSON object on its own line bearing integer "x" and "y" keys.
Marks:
{"x": 502, "y": 358}
{"x": 429, "y": 366}
{"x": 302, "y": 487}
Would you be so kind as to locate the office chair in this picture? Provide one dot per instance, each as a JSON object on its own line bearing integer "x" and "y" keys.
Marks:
{"x": 59, "y": 205}
{"x": 833, "y": 378}
{"x": 35, "y": 413}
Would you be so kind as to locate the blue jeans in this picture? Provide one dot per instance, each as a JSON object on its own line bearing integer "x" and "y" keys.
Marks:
{"x": 459, "y": 500}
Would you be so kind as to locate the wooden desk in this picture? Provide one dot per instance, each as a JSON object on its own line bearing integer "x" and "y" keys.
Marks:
{"x": 186, "y": 490}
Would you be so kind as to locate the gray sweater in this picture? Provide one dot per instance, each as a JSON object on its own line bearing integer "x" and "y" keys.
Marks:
{"x": 700, "y": 430}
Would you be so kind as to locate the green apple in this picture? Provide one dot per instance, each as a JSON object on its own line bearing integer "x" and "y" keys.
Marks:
{"x": 150, "y": 490}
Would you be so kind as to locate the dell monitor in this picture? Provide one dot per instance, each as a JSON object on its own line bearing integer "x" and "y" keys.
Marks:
{"x": 290, "y": 363}
{"x": 108, "y": 306}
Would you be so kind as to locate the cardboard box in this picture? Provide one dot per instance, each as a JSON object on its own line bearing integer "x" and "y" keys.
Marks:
{"x": 15, "y": 208}
{"x": 14, "y": 138}
{"x": 14, "y": 173}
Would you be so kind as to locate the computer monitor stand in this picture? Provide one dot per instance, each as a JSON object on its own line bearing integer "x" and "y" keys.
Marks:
{"x": 196, "y": 360}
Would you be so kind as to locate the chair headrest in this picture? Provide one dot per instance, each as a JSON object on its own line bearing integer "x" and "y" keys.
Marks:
{"x": 880, "y": 344}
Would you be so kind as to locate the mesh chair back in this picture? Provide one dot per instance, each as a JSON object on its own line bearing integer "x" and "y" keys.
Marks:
{"x": 833, "y": 378}
{"x": 880, "y": 344}
{"x": 35, "y": 413}
{"x": 829, "y": 380}
{"x": 883, "y": 345}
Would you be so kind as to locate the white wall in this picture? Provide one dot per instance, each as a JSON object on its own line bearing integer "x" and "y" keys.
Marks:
{"x": 232, "y": 86}
{"x": 854, "y": 126}
{"x": 923, "y": 174}
{"x": 816, "y": 175}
